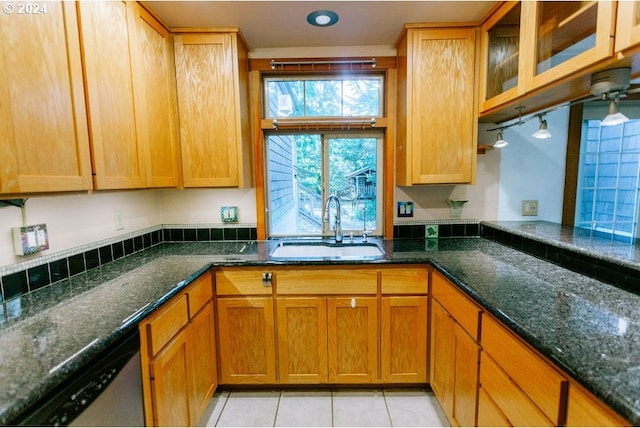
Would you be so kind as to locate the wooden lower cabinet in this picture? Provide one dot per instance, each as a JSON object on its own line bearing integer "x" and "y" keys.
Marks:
{"x": 178, "y": 358}
{"x": 170, "y": 373}
{"x": 202, "y": 360}
{"x": 454, "y": 367}
{"x": 353, "y": 339}
{"x": 583, "y": 409}
{"x": 302, "y": 340}
{"x": 246, "y": 337}
{"x": 403, "y": 339}
{"x": 455, "y": 352}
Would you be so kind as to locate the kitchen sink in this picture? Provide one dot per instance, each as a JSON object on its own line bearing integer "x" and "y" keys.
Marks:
{"x": 325, "y": 250}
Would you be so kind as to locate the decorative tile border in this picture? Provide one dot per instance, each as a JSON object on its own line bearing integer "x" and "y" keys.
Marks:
{"x": 33, "y": 274}
{"x": 448, "y": 228}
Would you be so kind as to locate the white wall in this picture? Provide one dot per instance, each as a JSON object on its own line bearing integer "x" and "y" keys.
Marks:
{"x": 202, "y": 206}
{"x": 534, "y": 169}
{"x": 430, "y": 202}
{"x": 79, "y": 219}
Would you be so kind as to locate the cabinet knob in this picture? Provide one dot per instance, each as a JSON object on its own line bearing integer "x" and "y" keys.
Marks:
{"x": 266, "y": 279}
{"x": 353, "y": 302}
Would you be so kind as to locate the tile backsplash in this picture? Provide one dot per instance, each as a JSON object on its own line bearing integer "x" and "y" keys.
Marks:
{"x": 33, "y": 274}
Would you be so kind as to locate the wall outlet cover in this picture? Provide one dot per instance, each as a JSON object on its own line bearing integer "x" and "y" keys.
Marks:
{"x": 229, "y": 214}
{"x": 530, "y": 207}
{"x": 30, "y": 239}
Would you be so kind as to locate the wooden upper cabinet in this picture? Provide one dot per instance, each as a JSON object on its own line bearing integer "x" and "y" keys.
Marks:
{"x": 212, "y": 81}
{"x": 627, "y": 25}
{"x": 437, "y": 129}
{"x": 501, "y": 61}
{"x": 155, "y": 98}
{"x": 118, "y": 158}
{"x": 43, "y": 127}
{"x": 566, "y": 36}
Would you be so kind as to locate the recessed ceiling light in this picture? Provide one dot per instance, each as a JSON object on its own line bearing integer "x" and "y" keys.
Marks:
{"x": 322, "y": 18}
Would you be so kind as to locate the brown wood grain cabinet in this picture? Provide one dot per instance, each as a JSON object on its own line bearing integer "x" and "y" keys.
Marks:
{"x": 178, "y": 357}
{"x": 583, "y": 409}
{"x": 213, "y": 82}
{"x": 436, "y": 106}
{"x": 627, "y": 26}
{"x": 130, "y": 96}
{"x": 44, "y": 139}
{"x": 455, "y": 352}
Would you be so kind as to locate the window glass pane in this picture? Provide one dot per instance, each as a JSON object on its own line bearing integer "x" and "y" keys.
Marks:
{"x": 608, "y": 178}
{"x": 353, "y": 178}
{"x": 323, "y": 97}
{"x": 294, "y": 165}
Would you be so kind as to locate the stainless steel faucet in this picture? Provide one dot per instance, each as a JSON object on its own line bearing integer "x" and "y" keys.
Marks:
{"x": 337, "y": 228}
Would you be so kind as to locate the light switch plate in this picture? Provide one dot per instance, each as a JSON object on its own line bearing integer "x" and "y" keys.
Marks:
{"x": 229, "y": 214}
{"x": 530, "y": 207}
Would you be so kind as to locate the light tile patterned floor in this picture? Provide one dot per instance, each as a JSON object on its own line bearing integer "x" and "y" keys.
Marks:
{"x": 325, "y": 408}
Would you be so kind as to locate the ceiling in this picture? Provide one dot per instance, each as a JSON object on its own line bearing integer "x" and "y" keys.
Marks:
{"x": 282, "y": 24}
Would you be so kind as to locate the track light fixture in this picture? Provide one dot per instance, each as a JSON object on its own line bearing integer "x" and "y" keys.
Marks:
{"x": 614, "y": 117}
{"x": 500, "y": 141}
{"x": 542, "y": 133}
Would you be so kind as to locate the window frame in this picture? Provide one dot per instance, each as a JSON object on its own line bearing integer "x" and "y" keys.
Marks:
{"x": 387, "y": 65}
{"x": 326, "y": 136}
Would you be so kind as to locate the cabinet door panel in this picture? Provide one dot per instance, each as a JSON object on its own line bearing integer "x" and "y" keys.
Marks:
{"x": 404, "y": 339}
{"x": 246, "y": 340}
{"x": 207, "y": 105}
{"x": 515, "y": 404}
{"x": 302, "y": 340}
{"x": 170, "y": 389}
{"x": 155, "y": 98}
{"x": 353, "y": 340}
{"x": 117, "y": 157}
{"x": 585, "y": 410}
{"x": 465, "y": 383}
{"x": 202, "y": 357}
{"x": 44, "y": 139}
{"x": 442, "y": 356}
{"x": 443, "y": 63}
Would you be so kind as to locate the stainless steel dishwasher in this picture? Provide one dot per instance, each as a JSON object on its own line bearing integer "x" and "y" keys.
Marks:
{"x": 106, "y": 392}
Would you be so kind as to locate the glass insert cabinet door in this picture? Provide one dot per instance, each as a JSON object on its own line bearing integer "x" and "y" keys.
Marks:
{"x": 501, "y": 44}
{"x": 570, "y": 35}
{"x": 628, "y": 25}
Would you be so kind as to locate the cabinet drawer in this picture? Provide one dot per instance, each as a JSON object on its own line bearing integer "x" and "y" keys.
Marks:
{"x": 515, "y": 405}
{"x": 166, "y": 323}
{"x": 547, "y": 388}
{"x": 327, "y": 281}
{"x": 465, "y": 312}
{"x": 583, "y": 409}
{"x": 405, "y": 280}
{"x": 199, "y": 293}
{"x": 489, "y": 414}
{"x": 240, "y": 282}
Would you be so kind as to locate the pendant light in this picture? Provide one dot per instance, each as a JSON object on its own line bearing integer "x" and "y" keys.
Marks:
{"x": 542, "y": 133}
{"x": 500, "y": 141}
{"x": 614, "y": 117}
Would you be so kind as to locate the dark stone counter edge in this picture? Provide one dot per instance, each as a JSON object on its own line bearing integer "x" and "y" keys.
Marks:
{"x": 89, "y": 354}
{"x": 613, "y": 400}
{"x": 620, "y": 272}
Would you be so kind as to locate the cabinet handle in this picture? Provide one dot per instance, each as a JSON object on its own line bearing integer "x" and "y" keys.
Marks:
{"x": 266, "y": 279}
{"x": 353, "y": 302}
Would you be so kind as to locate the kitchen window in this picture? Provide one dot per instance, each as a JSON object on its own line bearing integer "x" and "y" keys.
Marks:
{"x": 609, "y": 178}
{"x": 322, "y": 144}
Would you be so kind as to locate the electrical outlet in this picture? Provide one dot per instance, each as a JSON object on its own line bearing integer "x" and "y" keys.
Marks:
{"x": 118, "y": 219}
{"x": 530, "y": 207}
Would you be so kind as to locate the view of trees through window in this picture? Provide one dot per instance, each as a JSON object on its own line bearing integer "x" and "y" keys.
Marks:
{"x": 307, "y": 166}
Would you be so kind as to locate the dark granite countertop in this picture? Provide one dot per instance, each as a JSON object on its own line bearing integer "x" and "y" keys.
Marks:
{"x": 590, "y": 329}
